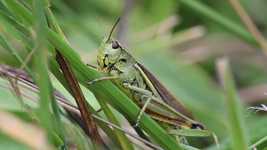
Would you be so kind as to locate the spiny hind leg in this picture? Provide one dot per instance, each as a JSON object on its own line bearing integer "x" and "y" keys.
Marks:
{"x": 137, "y": 89}
{"x": 144, "y": 92}
{"x": 147, "y": 96}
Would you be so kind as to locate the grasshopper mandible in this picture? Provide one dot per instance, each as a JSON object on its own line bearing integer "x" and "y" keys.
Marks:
{"x": 141, "y": 86}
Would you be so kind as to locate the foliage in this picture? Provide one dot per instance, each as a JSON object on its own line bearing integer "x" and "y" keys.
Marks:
{"x": 179, "y": 41}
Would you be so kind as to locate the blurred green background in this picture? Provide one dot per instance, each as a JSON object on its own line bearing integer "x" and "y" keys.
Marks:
{"x": 178, "y": 44}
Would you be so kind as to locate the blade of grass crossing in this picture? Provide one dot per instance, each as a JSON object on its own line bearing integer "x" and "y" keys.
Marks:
{"x": 9, "y": 18}
{"x": 122, "y": 139}
{"x": 234, "y": 107}
{"x": 42, "y": 76}
{"x": 9, "y": 48}
{"x": 91, "y": 127}
{"x": 21, "y": 13}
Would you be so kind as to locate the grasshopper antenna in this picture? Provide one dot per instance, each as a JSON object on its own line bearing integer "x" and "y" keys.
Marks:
{"x": 112, "y": 29}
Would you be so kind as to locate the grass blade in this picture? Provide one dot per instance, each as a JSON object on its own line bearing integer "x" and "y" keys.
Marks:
{"x": 223, "y": 21}
{"x": 42, "y": 79}
{"x": 21, "y": 12}
{"x": 234, "y": 107}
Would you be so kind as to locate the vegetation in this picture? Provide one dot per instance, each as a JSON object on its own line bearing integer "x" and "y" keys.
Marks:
{"x": 209, "y": 54}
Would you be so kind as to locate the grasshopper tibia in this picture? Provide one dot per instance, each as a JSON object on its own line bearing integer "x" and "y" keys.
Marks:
{"x": 142, "y": 111}
{"x": 147, "y": 95}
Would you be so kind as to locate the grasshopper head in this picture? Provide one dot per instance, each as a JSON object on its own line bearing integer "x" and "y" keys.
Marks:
{"x": 109, "y": 54}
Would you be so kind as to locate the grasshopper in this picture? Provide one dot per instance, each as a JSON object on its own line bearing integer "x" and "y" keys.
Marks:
{"x": 141, "y": 85}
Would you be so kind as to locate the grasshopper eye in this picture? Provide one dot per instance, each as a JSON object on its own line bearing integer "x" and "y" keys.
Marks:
{"x": 115, "y": 45}
{"x": 123, "y": 60}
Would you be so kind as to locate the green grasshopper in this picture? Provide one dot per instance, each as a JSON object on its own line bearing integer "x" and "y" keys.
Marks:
{"x": 141, "y": 86}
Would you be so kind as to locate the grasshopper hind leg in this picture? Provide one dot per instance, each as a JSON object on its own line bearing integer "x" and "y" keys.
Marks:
{"x": 144, "y": 95}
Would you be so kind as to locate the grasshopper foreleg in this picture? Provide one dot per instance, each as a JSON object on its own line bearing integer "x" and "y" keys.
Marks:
{"x": 92, "y": 66}
{"x": 102, "y": 79}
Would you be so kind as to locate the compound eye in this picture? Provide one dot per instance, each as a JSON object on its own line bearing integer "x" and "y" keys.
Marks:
{"x": 115, "y": 45}
{"x": 123, "y": 60}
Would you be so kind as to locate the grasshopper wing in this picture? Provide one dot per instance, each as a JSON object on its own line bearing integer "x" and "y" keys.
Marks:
{"x": 164, "y": 93}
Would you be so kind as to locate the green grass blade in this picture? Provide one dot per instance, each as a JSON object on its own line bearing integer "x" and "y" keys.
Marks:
{"x": 54, "y": 26}
{"x": 42, "y": 76}
{"x": 234, "y": 108}
{"x": 187, "y": 147}
{"x": 10, "y": 17}
{"x": 21, "y": 12}
{"x": 190, "y": 132}
{"x": 11, "y": 50}
{"x": 41, "y": 70}
{"x": 223, "y": 21}
{"x": 262, "y": 140}
{"x": 122, "y": 139}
